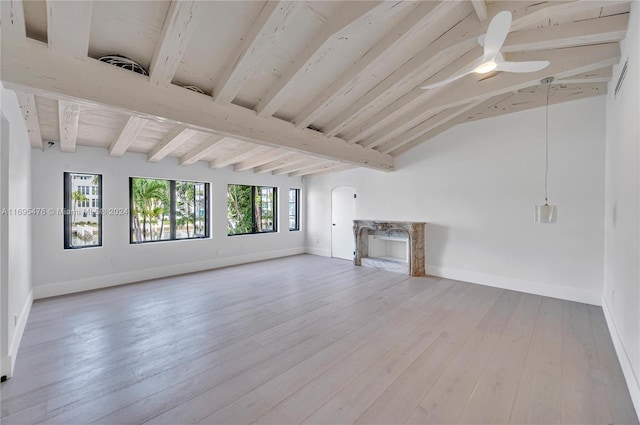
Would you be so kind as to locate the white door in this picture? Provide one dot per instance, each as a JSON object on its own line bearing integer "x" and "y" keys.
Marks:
{"x": 343, "y": 212}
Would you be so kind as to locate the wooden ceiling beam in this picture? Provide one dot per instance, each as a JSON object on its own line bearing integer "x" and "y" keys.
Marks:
{"x": 127, "y": 136}
{"x": 347, "y": 16}
{"x": 29, "y": 112}
{"x": 297, "y": 165}
{"x": 68, "y": 118}
{"x": 592, "y": 31}
{"x": 176, "y": 33}
{"x": 481, "y": 9}
{"x": 319, "y": 169}
{"x": 532, "y": 97}
{"x": 603, "y": 75}
{"x": 239, "y": 155}
{"x": 322, "y": 170}
{"x": 69, "y": 26}
{"x": 200, "y": 151}
{"x": 460, "y": 38}
{"x": 426, "y": 14}
{"x": 176, "y": 137}
{"x": 434, "y": 121}
{"x": 279, "y": 163}
{"x": 259, "y": 160}
{"x": 596, "y": 31}
{"x": 13, "y": 23}
{"x": 410, "y": 110}
{"x": 28, "y": 65}
{"x": 265, "y": 31}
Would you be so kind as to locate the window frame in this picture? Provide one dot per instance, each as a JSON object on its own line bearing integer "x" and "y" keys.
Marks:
{"x": 297, "y": 209}
{"x": 253, "y": 209}
{"x": 173, "y": 208}
{"x": 68, "y": 210}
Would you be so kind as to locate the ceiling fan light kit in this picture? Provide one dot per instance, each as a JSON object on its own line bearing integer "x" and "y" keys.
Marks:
{"x": 492, "y": 59}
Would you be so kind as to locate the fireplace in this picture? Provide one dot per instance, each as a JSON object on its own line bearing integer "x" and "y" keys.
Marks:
{"x": 390, "y": 245}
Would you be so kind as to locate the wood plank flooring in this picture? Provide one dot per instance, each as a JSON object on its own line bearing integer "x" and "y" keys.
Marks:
{"x": 313, "y": 340}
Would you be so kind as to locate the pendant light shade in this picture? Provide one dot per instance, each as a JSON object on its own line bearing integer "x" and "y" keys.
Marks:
{"x": 546, "y": 213}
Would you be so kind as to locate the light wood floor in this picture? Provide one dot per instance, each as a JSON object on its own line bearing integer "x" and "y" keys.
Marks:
{"x": 308, "y": 339}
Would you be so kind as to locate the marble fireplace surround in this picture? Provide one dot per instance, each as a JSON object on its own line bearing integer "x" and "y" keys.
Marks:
{"x": 414, "y": 231}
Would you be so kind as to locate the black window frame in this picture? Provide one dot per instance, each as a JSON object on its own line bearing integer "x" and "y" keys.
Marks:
{"x": 172, "y": 211}
{"x": 68, "y": 211}
{"x": 254, "y": 226}
{"x": 297, "y": 210}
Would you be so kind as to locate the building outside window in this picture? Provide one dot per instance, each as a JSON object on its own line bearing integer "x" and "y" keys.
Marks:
{"x": 82, "y": 210}
{"x": 251, "y": 209}
{"x": 294, "y": 209}
{"x": 163, "y": 210}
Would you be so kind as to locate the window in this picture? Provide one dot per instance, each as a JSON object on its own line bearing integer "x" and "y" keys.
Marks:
{"x": 251, "y": 209}
{"x": 294, "y": 209}
{"x": 82, "y": 215}
{"x": 168, "y": 210}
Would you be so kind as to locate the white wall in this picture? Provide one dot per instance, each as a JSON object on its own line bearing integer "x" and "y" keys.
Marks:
{"x": 57, "y": 271}
{"x": 476, "y": 186}
{"x": 15, "y": 229}
{"x": 621, "y": 296}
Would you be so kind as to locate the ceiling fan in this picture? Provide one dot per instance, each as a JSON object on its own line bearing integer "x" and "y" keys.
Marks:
{"x": 492, "y": 59}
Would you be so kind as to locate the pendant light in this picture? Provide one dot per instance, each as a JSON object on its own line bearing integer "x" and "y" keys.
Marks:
{"x": 546, "y": 213}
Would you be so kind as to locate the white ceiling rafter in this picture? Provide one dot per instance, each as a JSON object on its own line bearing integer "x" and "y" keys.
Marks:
{"x": 433, "y": 122}
{"x": 127, "y": 136}
{"x": 319, "y": 169}
{"x": 425, "y": 14}
{"x": 297, "y": 165}
{"x": 50, "y": 75}
{"x": 350, "y": 13}
{"x": 178, "y": 135}
{"x": 13, "y": 23}
{"x": 68, "y": 115}
{"x": 378, "y": 114}
{"x": 69, "y": 26}
{"x": 564, "y": 63}
{"x": 200, "y": 151}
{"x": 279, "y": 163}
{"x": 265, "y": 31}
{"x": 481, "y": 9}
{"x": 259, "y": 160}
{"x": 531, "y": 97}
{"x": 246, "y": 151}
{"x": 177, "y": 30}
{"x": 29, "y": 112}
{"x": 261, "y": 59}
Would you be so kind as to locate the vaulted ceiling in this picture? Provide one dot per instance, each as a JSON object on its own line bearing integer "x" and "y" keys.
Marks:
{"x": 289, "y": 87}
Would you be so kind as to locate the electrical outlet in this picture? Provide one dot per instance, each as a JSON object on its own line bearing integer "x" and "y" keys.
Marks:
{"x": 114, "y": 261}
{"x": 15, "y": 320}
{"x": 218, "y": 253}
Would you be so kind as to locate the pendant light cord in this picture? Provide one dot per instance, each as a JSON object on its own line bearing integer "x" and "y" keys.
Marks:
{"x": 546, "y": 146}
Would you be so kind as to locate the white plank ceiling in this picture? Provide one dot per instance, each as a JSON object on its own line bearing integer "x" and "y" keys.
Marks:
{"x": 290, "y": 87}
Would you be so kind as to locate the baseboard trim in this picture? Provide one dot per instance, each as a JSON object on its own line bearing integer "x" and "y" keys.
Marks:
{"x": 630, "y": 376}
{"x": 528, "y": 286}
{"x": 98, "y": 282}
{"x": 318, "y": 251}
{"x": 17, "y": 334}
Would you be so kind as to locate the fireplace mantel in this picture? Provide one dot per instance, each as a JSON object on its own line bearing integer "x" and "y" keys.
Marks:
{"x": 412, "y": 231}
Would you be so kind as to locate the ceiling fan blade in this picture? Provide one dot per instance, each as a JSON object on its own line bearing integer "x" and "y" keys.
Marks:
{"x": 529, "y": 66}
{"x": 496, "y": 34}
{"x": 447, "y": 81}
